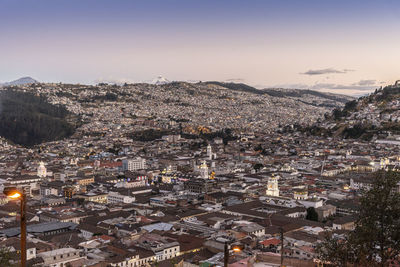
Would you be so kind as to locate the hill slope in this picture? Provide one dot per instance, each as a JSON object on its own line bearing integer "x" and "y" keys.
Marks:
{"x": 374, "y": 116}
{"x": 20, "y": 81}
{"x": 309, "y": 97}
{"x": 27, "y": 119}
{"x": 191, "y": 106}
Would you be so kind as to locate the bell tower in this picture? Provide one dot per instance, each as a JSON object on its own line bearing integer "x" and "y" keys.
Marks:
{"x": 273, "y": 188}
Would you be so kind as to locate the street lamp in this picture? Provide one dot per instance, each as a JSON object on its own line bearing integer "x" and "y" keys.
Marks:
{"x": 14, "y": 193}
{"x": 235, "y": 248}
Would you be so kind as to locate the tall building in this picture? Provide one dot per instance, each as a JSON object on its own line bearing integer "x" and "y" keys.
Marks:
{"x": 204, "y": 170}
{"x": 209, "y": 152}
{"x": 273, "y": 188}
{"x": 41, "y": 170}
{"x": 134, "y": 164}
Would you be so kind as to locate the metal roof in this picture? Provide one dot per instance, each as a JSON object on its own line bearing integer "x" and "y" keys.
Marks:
{"x": 39, "y": 228}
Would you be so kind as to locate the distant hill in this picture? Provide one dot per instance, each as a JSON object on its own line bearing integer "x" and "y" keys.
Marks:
{"x": 208, "y": 105}
{"x": 376, "y": 115}
{"x": 301, "y": 92}
{"x": 324, "y": 99}
{"x": 27, "y": 119}
{"x": 20, "y": 81}
{"x": 237, "y": 87}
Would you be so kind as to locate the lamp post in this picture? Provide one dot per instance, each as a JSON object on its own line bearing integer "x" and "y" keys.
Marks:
{"x": 235, "y": 248}
{"x": 226, "y": 254}
{"x": 14, "y": 193}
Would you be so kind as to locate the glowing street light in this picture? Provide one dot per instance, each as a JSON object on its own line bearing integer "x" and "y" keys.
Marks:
{"x": 235, "y": 248}
{"x": 14, "y": 193}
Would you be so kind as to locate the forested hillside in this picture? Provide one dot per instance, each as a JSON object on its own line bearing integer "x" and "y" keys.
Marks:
{"x": 27, "y": 119}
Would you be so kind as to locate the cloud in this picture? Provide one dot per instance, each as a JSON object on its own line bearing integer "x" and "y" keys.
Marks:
{"x": 326, "y": 71}
{"x": 365, "y": 83}
{"x": 359, "y": 88}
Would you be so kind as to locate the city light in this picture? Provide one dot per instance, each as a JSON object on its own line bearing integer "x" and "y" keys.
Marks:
{"x": 15, "y": 195}
{"x": 12, "y": 192}
{"x": 236, "y": 249}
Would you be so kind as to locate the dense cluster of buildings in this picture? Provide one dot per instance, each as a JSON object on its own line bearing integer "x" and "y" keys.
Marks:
{"x": 109, "y": 200}
{"x": 191, "y": 105}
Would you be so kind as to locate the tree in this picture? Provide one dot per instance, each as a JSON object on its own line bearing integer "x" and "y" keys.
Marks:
{"x": 375, "y": 240}
{"x": 377, "y": 231}
{"x": 258, "y": 148}
{"x": 258, "y": 166}
{"x": 5, "y": 257}
{"x": 336, "y": 250}
{"x": 312, "y": 215}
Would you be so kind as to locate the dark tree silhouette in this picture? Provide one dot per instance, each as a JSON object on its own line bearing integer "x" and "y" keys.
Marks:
{"x": 376, "y": 238}
{"x": 28, "y": 119}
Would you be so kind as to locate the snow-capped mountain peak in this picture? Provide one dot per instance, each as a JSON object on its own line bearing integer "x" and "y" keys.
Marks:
{"x": 160, "y": 80}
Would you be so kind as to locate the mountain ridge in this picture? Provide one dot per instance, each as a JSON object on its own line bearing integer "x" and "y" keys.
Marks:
{"x": 282, "y": 92}
{"x": 21, "y": 81}
{"x": 370, "y": 117}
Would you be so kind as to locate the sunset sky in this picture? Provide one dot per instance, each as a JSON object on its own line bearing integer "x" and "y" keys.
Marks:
{"x": 348, "y": 47}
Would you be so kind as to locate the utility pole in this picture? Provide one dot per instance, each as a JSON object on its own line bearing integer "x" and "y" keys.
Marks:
{"x": 23, "y": 230}
{"x": 14, "y": 193}
{"x": 226, "y": 254}
{"x": 281, "y": 229}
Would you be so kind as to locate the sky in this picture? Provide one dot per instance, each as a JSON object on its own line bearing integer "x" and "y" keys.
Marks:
{"x": 341, "y": 46}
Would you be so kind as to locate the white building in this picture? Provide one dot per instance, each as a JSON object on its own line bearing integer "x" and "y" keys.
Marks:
{"x": 210, "y": 154}
{"x": 41, "y": 170}
{"x": 59, "y": 257}
{"x": 273, "y": 188}
{"x": 115, "y": 197}
{"x": 167, "y": 251}
{"x": 134, "y": 164}
{"x": 204, "y": 170}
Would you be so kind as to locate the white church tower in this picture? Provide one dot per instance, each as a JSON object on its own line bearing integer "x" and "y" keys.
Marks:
{"x": 204, "y": 170}
{"x": 209, "y": 152}
{"x": 273, "y": 189}
{"x": 41, "y": 170}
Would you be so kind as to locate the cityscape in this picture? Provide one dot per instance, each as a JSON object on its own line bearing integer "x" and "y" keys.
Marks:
{"x": 278, "y": 168}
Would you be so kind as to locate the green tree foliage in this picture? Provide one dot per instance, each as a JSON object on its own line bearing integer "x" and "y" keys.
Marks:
{"x": 377, "y": 233}
{"x": 258, "y": 148}
{"x": 356, "y": 131}
{"x": 6, "y": 257}
{"x": 335, "y": 250}
{"x": 312, "y": 215}
{"x": 376, "y": 238}
{"x": 27, "y": 119}
{"x": 258, "y": 166}
{"x": 338, "y": 114}
{"x": 350, "y": 106}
